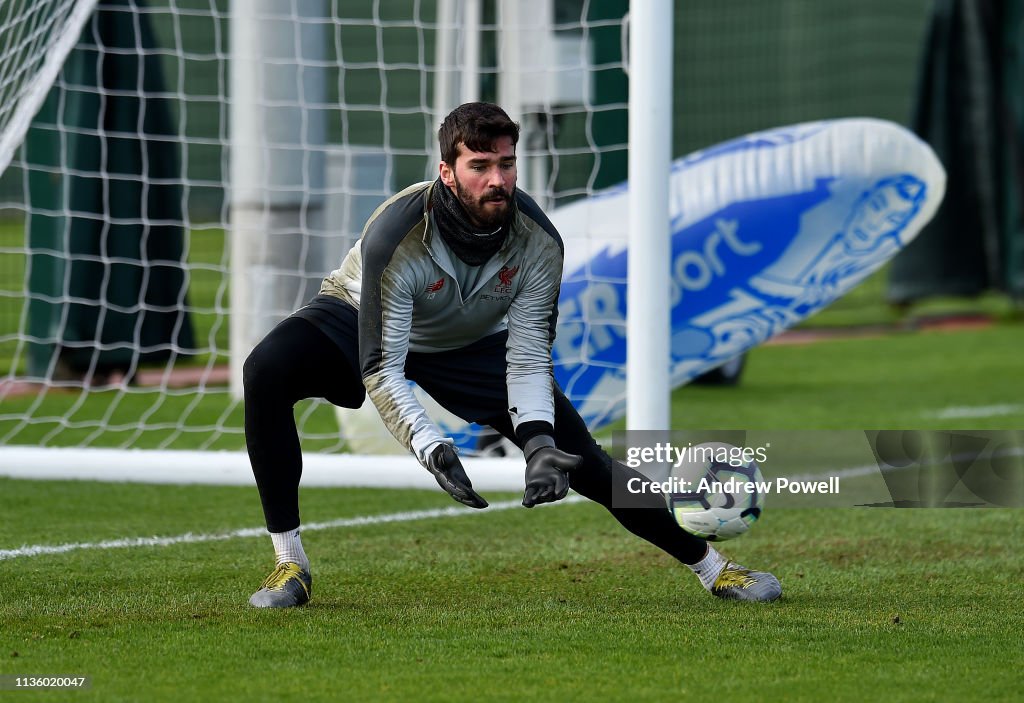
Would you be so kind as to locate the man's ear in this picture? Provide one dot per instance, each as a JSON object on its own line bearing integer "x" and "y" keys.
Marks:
{"x": 447, "y": 175}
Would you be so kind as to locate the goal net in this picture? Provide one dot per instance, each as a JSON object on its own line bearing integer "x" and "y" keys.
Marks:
{"x": 183, "y": 173}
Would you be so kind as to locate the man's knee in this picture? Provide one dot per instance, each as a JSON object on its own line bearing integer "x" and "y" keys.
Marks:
{"x": 261, "y": 372}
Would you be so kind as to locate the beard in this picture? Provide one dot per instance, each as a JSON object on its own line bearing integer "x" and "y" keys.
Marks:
{"x": 480, "y": 210}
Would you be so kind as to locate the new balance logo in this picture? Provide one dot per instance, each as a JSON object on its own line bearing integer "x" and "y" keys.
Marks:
{"x": 432, "y": 288}
{"x": 505, "y": 279}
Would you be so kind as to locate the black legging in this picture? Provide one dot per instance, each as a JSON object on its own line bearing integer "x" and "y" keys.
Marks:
{"x": 297, "y": 361}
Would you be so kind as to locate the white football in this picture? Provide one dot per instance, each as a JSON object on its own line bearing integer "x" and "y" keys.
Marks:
{"x": 721, "y": 495}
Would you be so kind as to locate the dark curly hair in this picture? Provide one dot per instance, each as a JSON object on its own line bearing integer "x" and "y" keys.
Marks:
{"x": 478, "y": 126}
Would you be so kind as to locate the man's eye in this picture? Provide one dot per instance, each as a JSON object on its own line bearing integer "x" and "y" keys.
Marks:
{"x": 509, "y": 165}
{"x": 478, "y": 169}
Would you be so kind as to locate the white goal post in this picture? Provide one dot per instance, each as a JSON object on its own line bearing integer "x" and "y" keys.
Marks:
{"x": 182, "y": 173}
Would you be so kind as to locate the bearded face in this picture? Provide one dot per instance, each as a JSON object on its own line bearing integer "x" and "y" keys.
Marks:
{"x": 484, "y": 182}
{"x": 489, "y": 210}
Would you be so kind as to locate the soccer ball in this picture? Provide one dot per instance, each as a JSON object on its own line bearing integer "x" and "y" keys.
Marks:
{"x": 721, "y": 494}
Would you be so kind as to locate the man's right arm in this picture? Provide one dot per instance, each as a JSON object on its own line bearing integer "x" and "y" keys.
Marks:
{"x": 385, "y": 320}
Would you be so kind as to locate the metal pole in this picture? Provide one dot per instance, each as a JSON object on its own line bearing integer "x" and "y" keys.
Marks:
{"x": 522, "y": 26}
{"x": 444, "y": 64}
{"x": 246, "y": 175}
{"x": 277, "y": 74}
{"x": 510, "y": 96}
{"x": 650, "y": 151}
{"x": 471, "y": 59}
{"x": 510, "y": 61}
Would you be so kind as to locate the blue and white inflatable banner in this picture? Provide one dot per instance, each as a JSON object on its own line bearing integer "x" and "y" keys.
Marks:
{"x": 766, "y": 230}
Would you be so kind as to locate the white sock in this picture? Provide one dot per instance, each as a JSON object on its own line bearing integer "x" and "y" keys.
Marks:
{"x": 288, "y": 547}
{"x": 708, "y": 568}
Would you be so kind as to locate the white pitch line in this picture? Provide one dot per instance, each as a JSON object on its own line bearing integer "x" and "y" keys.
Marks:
{"x": 189, "y": 538}
{"x": 407, "y": 516}
{"x": 966, "y": 412}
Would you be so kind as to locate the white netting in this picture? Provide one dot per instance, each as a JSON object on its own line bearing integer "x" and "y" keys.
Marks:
{"x": 119, "y": 311}
{"x": 35, "y": 38}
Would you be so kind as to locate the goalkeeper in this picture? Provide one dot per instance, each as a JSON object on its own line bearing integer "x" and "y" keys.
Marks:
{"x": 454, "y": 285}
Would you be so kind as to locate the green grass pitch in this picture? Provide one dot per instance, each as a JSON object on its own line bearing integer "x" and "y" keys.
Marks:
{"x": 554, "y": 604}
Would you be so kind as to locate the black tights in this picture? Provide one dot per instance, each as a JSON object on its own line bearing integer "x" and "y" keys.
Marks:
{"x": 294, "y": 362}
{"x": 297, "y": 361}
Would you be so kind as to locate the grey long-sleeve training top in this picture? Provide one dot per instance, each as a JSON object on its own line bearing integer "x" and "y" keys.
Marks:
{"x": 414, "y": 294}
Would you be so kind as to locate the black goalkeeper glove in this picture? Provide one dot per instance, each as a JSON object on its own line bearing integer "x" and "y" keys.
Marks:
{"x": 444, "y": 463}
{"x": 547, "y": 470}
